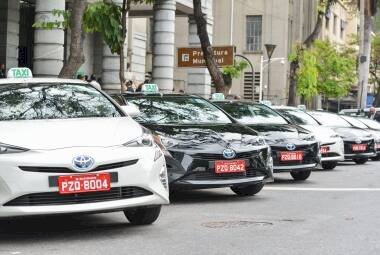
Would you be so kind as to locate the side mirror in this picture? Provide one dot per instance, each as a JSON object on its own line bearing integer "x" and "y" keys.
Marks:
{"x": 131, "y": 110}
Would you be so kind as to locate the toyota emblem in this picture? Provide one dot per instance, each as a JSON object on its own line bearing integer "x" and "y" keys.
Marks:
{"x": 83, "y": 163}
{"x": 229, "y": 154}
{"x": 290, "y": 146}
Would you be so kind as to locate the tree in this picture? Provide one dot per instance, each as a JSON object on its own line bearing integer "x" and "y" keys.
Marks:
{"x": 71, "y": 19}
{"x": 323, "y": 70}
{"x": 375, "y": 68}
{"x": 324, "y": 7}
{"x": 208, "y": 54}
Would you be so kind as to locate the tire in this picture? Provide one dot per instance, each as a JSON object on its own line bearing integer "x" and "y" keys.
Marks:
{"x": 300, "y": 175}
{"x": 246, "y": 191}
{"x": 377, "y": 158}
{"x": 329, "y": 165}
{"x": 360, "y": 161}
{"x": 143, "y": 216}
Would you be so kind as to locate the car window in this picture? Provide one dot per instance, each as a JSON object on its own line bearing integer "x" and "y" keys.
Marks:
{"x": 53, "y": 101}
{"x": 252, "y": 113}
{"x": 298, "y": 117}
{"x": 330, "y": 119}
{"x": 373, "y": 124}
{"x": 178, "y": 109}
{"x": 355, "y": 122}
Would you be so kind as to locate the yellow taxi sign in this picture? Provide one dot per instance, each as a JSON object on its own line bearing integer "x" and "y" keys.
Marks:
{"x": 20, "y": 73}
{"x": 149, "y": 88}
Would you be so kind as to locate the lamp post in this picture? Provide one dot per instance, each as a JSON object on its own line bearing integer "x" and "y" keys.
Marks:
{"x": 270, "y": 49}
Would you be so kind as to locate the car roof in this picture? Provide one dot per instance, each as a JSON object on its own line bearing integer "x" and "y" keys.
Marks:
{"x": 284, "y": 107}
{"x": 141, "y": 94}
{"x": 39, "y": 80}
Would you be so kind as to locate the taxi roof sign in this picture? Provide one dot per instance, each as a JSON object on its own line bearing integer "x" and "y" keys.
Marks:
{"x": 218, "y": 96}
{"x": 20, "y": 73}
{"x": 149, "y": 88}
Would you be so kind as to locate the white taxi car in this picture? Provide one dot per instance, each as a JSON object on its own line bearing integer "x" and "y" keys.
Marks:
{"x": 67, "y": 148}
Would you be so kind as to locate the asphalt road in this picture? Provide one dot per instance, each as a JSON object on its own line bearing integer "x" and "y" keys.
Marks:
{"x": 335, "y": 212}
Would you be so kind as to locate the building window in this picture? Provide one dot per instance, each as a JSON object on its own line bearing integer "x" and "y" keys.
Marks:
{"x": 335, "y": 24}
{"x": 327, "y": 19}
{"x": 342, "y": 28}
{"x": 254, "y": 33}
{"x": 252, "y": 93}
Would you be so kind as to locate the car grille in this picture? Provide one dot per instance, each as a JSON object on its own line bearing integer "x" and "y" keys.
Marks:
{"x": 68, "y": 170}
{"x": 202, "y": 167}
{"x": 348, "y": 147}
{"x": 54, "y": 198}
{"x": 330, "y": 154}
{"x": 310, "y": 155}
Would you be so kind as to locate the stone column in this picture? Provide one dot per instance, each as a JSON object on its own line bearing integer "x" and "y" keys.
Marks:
{"x": 163, "y": 44}
{"x": 48, "y": 44}
{"x": 9, "y": 32}
{"x": 199, "y": 79}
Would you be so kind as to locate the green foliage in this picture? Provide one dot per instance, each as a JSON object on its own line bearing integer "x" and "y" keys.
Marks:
{"x": 105, "y": 18}
{"x": 235, "y": 70}
{"x": 326, "y": 71}
{"x": 62, "y": 21}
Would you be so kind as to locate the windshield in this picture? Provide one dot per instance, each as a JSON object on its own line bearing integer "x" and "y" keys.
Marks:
{"x": 298, "y": 117}
{"x": 355, "y": 122}
{"x": 53, "y": 101}
{"x": 252, "y": 113}
{"x": 177, "y": 109}
{"x": 373, "y": 124}
{"x": 330, "y": 119}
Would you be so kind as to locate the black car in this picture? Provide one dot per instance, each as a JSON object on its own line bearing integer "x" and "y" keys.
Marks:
{"x": 294, "y": 149}
{"x": 204, "y": 147}
{"x": 371, "y": 126}
{"x": 359, "y": 145}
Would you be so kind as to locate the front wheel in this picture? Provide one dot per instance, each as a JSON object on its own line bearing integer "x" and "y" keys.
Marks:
{"x": 300, "y": 175}
{"x": 143, "y": 215}
{"x": 248, "y": 190}
{"x": 329, "y": 165}
{"x": 377, "y": 158}
{"x": 360, "y": 161}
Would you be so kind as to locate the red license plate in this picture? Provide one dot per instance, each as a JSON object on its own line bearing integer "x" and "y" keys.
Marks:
{"x": 359, "y": 147}
{"x": 229, "y": 166}
{"x": 291, "y": 155}
{"x": 72, "y": 184}
{"x": 378, "y": 146}
{"x": 324, "y": 149}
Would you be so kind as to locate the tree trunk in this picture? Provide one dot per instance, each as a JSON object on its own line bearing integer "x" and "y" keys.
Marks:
{"x": 377, "y": 96}
{"x": 208, "y": 54}
{"x": 76, "y": 58}
{"x": 294, "y": 65}
{"x": 125, "y": 10}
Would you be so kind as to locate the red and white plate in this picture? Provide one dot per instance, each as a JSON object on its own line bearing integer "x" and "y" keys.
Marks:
{"x": 359, "y": 147}
{"x": 291, "y": 155}
{"x": 324, "y": 149}
{"x": 72, "y": 184}
{"x": 230, "y": 166}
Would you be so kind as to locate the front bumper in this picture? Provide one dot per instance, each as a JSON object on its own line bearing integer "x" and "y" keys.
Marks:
{"x": 197, "y": 171}
{"x": 43, "y": 198}
{"x": 310, "y": 160}
{"x": 349, "y": 154}
{"x": 335, "y": 151}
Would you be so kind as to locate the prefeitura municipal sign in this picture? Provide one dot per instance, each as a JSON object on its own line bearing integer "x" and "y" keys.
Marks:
{"x": 193, "y": 57}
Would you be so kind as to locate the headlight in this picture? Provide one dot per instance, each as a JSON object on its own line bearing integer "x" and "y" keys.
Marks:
{"x": 146, "y": 140}
{"x": 7, "y": 149}
{"x": 157, "y": 153}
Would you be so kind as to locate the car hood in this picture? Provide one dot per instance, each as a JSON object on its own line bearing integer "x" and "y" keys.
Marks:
{"x": 283, "y": 133}
{"x": 55, "y": 134}
{"x": 208, "y": 138}
{"x": 352, "y": 133}
{"x": 322, "y": 134}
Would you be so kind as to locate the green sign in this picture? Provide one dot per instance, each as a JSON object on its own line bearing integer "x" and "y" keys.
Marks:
{"x": 149, "y": 88}
{"x": 20, "y": 73}
{"x": 218, "y": 97}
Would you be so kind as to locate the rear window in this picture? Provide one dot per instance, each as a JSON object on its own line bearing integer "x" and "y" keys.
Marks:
{"x": 53, "y": 101}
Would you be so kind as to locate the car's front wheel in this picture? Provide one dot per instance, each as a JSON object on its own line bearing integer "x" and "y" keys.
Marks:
{"x": 360, "y": 161}
{"x": 249, "y": 190}
{"x": 143, "y": 215}
{"x": 377, "y": 158}
{"x": 329, "y": 165}
{"x": 300, "y": 175}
